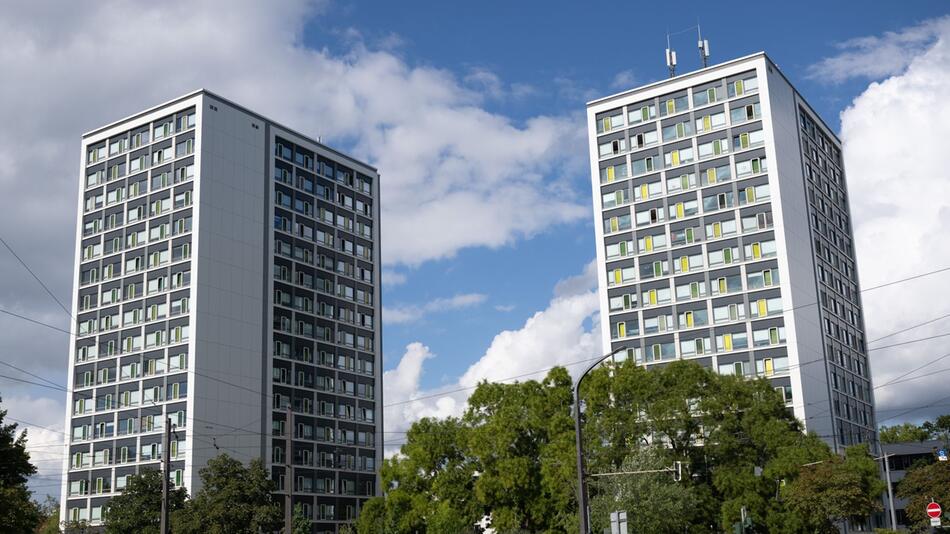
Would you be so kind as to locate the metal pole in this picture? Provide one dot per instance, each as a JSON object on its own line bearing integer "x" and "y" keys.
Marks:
{"x": 289, "y": 479}
{"x": 166, "y": 456}
{"x": 582, "y": 490}
{"x": 581, "y": 484}
{"x": 890, "y": 491}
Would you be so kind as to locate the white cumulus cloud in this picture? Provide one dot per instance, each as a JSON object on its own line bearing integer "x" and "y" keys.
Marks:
{"x": 567, "y": 332}
{"x": 401, "y": 314}
{"x": 895, "y": 135}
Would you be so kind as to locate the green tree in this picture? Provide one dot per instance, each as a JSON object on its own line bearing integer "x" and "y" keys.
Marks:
{"x": 139, "y": 507}
{"x": 903, "y": 432}
{"x": 521, "y": 440}
{"x": 300, "y": 521}
{"x": 836, "y": 489}
{"x": 653, "y": 501}
{"x": 233, "y": 499}
{"x": 49, "y": 516}
{"x": 919, "y": 486}
{"x": 939, "y": 428}
{"x": 18, "y": 513}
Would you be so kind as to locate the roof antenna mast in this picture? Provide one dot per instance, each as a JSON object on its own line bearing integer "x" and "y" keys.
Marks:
{"x": 670, "y": 57}
{"x": 703, "y": 46}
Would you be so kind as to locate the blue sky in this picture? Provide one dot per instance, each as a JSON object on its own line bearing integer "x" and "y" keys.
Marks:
{"x": 568, "y": 52}
{"x": 474, "y": 113}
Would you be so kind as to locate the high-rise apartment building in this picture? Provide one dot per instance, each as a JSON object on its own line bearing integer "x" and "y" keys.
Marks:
{"x": 724, "y": 236}
{"x": 227, "y": 278}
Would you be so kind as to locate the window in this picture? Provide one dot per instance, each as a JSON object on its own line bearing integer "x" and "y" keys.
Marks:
{"x": 726, "y": 284}
{"x": 617, "y": 224}
{"x": 615, "y": 198}
{"x": 716, "y": 147}
{"x": 614, "y": 147}
{"x": 608, "y": 123}
{"x": 748, "y": 140}
{"x": 646, "y": 191}
{"x": 656, "y": 297}
{"x": 677, "y": 131}
{"x": 751, "y": 166}
{"x": 654, "y": 269}
{"x": 679, "y": 156}
{"x": 710, "y": 122}
{"x": 707, "y": 96}
{"x": 649, "y": 216}
{"x": 659, "y": 323}
{"x": 725, "y": 228}
{"x": 768, "y": 336}
{"x": 680, "y": 210}
{"x": 745, "y": 113}
{"x": 758, "y": 221}
{"x": 743, "y": 86}
{"x": 718, "y": 201}
{"x": 752, "y": 194}
{"x": 691, "y": 290}
{"x": 732, "y": 341}
{"x": 685, "y": 264}
{"x": 764, "y": 278}
{"x": 723, "y": 256}
{"x": 641, "y": 166}
{"x": 623, "y": 329}
{"x": 650, "y": 243}
{"x": 621, "y": 276}
{"x": 684, "y": 236}
{"x": 673, "y": 105}
{"x": 693, "y": 318}
{"x": 613, "y": 172}
{"x": 643, "y": 139}
{"x": 682, "y": 182}
{"x": 759, "y": 250}
{"x": 641, "y": 114}
{"x": 623, "y": 302}
{"x": 619, "y": 250}
{"x": 765, "y": 307}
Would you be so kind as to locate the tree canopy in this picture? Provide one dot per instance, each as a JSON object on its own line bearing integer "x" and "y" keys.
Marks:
{"x": 939, "y": 428}
{"x": 233, "y": 499}
{"x": 511, "y": 457}
{"x": 919, "y": 486}
{"x": 17, "y": 511}
{"x": 138, "y": 508}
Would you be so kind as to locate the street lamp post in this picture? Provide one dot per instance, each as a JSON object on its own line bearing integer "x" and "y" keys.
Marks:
{"x": 581, "y": 484}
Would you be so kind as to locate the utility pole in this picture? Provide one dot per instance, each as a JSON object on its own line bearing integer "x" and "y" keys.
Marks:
{"x": 166, "y": 457}
{"x": 289, "y": 475}
{"x": 890, "y": 490}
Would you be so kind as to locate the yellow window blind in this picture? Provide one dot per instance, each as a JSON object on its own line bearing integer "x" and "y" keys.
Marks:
{"x": 684, "y": 264}
{"x": 652, "y": 296}
{"x": 644, "y": 191}
{"x": 621, "y": 329}
{"x": 739, "y": 87}
{"x": 675, "y": 157}
{"x": 614, "y": 224}
{"x": 648, "y": 243}
{"x": 750, "y": 194}
{"x": 763, "y": 307}
{"x": 707, "y": 122}
{"x": 717, "y": 229}
{"x": 689, "y": 319}
{"x": 610, "y": 174}
{"x": 756, "y": 250}
{"x": 618, "y": 276}
{"x": 680, "y": 211}
{"x": 727, "y": 341}
{"x": 711, "y": 175}
{"x": 744, "y": 140}
{"x": 769, "y": 369}
{"x": 722, "y": 285}
{"x": 670, "y": 106}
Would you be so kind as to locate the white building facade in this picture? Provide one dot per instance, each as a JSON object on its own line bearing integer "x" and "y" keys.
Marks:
{"x": 724, "y": 236}
{"x": 226, "y": 278}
